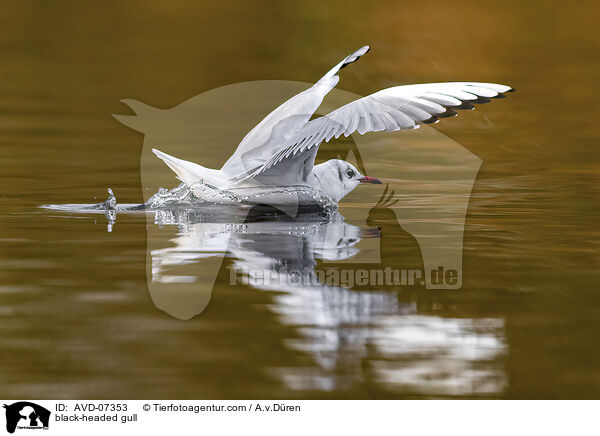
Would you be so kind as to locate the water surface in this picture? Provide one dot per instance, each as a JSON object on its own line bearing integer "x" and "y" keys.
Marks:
{"x": 78, "y": 320}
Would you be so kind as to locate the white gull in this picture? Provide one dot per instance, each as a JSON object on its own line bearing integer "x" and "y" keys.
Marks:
{"x": 279, "y": 153}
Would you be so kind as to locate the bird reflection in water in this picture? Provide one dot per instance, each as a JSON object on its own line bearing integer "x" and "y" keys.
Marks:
{"x": 372, "y": 335}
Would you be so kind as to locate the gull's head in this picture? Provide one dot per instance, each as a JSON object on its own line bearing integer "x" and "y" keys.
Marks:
{"x": 337, "y": 178}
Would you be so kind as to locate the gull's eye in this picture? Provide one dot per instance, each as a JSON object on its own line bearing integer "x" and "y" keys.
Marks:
{"x": 350, "y": 173}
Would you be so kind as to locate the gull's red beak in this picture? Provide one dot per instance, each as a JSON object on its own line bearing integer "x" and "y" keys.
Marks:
{"x": 367, "y": 179}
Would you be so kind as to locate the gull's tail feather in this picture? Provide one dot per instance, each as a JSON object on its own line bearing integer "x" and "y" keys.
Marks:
{"x": 190, "y": 172}
{"x": 346, "y": 61}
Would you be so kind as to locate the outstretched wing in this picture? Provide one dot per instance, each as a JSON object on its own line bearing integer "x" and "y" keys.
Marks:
{"x": 391, "y": 109}
{"x": 262, "y": 141}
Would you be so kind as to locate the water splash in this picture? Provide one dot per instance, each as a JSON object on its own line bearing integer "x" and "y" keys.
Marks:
{"x": 182, "y": 204}
{"x": 202, "y": 194}
{"x": 111, "y": 201}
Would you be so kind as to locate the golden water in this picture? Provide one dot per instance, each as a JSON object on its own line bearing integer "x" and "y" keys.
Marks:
{"x": 76, "y": 317}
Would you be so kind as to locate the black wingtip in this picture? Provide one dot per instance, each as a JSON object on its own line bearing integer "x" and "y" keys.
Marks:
{"x": 355, "y": 56}
{"x": 431, "y": 120}
{"x": 464, "y": 106}
{"x": 501, "y": 94}
{"x": 448, "y": 114}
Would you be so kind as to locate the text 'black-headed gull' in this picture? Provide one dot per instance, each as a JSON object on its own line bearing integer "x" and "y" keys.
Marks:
{"x": 280, "y": 151}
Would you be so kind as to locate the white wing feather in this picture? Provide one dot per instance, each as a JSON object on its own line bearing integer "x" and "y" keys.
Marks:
{"x": 391, "y": 109}
{"x": 262, "y": 141}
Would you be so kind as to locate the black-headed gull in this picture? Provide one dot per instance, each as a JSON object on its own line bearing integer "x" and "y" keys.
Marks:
{"x": 280, "y": 151}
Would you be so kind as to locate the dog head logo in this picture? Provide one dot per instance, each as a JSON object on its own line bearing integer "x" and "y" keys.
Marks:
{"x": 432, "y": 179}
{"x": 26, "y": 415}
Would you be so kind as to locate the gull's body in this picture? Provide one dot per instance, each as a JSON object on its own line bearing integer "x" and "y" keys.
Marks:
{"x": 280, "y": 151}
